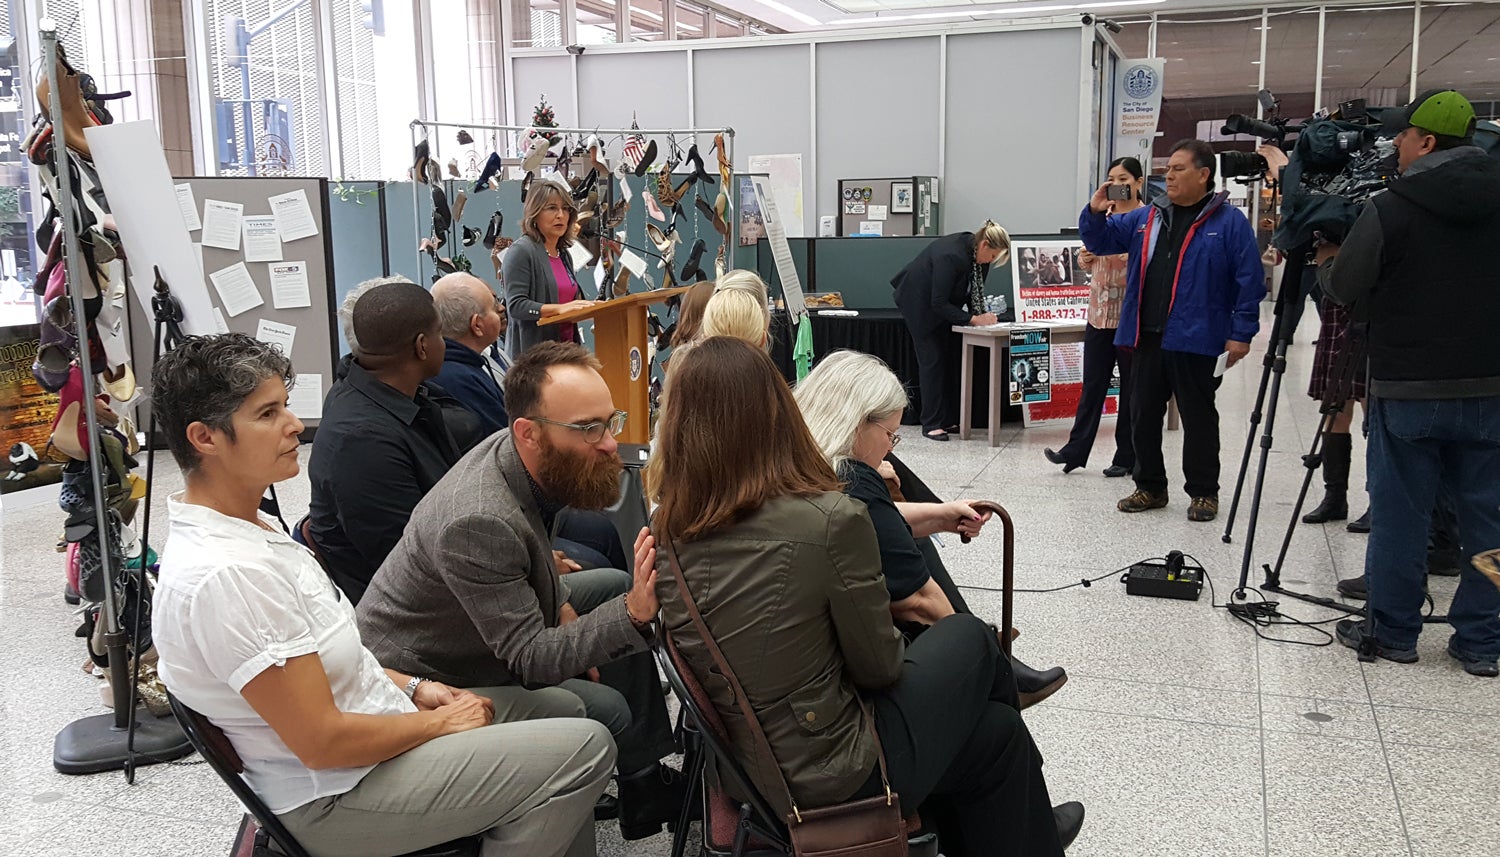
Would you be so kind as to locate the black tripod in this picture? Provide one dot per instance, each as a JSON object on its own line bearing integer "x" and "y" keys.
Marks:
{"x": 1287, "y": 314}
{"x": 167, "y": 313}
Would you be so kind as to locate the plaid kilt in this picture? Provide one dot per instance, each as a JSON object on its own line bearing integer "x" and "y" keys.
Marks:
{"x": 1331, "y": 342}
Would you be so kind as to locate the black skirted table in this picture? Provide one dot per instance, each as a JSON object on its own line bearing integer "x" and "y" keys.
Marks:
{"x": 881, "y": 332}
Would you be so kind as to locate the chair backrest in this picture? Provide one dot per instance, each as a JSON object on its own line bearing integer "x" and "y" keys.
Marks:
{"x": 630, "y": 512}
{"x": 211, "y": 742}
{"x": 721, "y": 812}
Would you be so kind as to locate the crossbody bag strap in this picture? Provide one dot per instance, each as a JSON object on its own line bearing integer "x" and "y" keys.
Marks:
{"x": 763, "y": 744}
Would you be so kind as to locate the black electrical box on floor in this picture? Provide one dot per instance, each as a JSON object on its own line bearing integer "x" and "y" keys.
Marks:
{"x": 1169, "y": 578}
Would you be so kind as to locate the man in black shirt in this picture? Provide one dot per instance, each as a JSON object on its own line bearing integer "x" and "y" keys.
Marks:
{"x": 1192, "y": 294}
{"x": 382, "y": 443}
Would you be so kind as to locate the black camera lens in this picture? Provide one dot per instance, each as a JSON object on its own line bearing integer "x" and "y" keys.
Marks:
{"x": 1243, "y": 165}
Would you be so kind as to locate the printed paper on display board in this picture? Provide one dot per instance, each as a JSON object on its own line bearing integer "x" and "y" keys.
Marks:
{"x": 26, "y": 413}
{"x": 1030, "y": 356}
{"x": 1051, "y": 282}
{"x": 146, "y": 207}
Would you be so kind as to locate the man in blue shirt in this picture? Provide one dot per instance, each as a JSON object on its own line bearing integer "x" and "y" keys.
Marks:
{"x": 1192, "y": 293}
{"x": 471, "y": 319}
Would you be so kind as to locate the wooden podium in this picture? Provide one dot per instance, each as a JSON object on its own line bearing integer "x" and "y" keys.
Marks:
{"x": 620, "y": 335}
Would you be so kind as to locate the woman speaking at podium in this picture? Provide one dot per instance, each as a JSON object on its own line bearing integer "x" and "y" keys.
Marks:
{"x": 539, "y": 279}
{"x": 943, "y": 287}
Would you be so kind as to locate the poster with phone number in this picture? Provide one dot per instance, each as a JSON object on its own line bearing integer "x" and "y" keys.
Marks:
{"x": 1051, "y": 281}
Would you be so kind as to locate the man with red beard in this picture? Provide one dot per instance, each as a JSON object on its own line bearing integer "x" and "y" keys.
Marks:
{"x": 471, "y": 596}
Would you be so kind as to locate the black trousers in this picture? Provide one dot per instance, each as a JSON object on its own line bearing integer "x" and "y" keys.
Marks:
{"x": 959, "y": 754}
{"x": 1158, "y": 375}
{"x": 938, "y": 366}
{"x": 1099, "y": 359}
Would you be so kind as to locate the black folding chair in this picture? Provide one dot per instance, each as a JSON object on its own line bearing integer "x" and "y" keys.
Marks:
{"x": 271, "y": 836}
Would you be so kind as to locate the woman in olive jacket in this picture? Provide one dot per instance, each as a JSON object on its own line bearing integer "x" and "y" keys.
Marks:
{"x": 786, "y": 571}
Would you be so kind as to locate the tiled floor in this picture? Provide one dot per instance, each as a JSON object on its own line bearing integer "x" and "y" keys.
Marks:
{"x": 1182, "y": 732}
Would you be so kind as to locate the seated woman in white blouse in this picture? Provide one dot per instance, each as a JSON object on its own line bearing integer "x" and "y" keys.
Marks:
{"x": 354, "y": 759}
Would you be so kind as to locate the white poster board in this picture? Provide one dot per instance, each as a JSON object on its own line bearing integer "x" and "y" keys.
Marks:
{"x": 781, "y": 251}
{"x": 785, "y": 172}
{"x": 148, "y": 211}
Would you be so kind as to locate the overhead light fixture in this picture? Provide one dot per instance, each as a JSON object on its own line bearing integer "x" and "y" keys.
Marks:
{"x": 790, "y": 12}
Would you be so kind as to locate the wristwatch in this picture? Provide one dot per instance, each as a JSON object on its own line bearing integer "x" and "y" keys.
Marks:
{"x": 411, "y": 687}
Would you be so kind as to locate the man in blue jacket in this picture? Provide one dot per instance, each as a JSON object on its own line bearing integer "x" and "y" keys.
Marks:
{"x": 470, "y": 318}
{"x": 1193, "y": 293}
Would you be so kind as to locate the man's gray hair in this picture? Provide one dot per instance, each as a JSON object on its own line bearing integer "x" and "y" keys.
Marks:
{"x": 457, "y": 307}
{"x": 346, "y": 309}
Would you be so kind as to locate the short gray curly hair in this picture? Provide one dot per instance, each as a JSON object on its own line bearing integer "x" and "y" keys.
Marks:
{"x": 205, "y": 380}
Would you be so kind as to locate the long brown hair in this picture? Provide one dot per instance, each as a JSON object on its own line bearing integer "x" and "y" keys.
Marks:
{"x": 690, "y": 316}
{"x": 730, "y": 438}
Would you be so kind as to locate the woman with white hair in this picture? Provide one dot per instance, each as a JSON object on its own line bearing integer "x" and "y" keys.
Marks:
{"x": 852, "y": 404}
{"x": 944, "y": 287}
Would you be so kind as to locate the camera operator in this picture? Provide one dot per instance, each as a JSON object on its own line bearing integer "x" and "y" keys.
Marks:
{"x": 1416, "y": 265}
{"x": 1192, "y": 292}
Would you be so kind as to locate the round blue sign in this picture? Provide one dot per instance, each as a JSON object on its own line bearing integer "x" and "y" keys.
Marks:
{"x": 1141, "y": 81}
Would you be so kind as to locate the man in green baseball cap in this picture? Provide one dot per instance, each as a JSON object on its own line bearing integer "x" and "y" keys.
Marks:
{"x": 1417, "y": 265}
{"x": 1436, "y": 120}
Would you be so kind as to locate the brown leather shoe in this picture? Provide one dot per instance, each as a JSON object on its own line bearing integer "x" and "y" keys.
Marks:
{"x": 1203, "y": 509}
{"x": 1142, "y": 501}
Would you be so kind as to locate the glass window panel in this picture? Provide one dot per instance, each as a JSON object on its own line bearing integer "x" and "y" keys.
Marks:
{"x": 1134, "y": 37}
{"x": 18, "y": 305}
{"x": 1460, "y": 49}
{"x": 689, "y": 21}
{"x": 268, "y": 106}
{"x": 1212, "y": 70}
{"x": 728, "y": 28}
{"x": 1292, "y": 61}
{"x": 536, "y": 24}
{"x": 596, "y": 22}
{"x": 1367, "y": 54}
{"x": 646, "y": 23}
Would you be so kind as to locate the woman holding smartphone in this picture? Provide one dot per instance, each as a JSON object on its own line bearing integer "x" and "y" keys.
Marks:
{"x": 1100, "y": 356}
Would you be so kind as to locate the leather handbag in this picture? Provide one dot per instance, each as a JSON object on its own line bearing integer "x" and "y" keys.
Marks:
{"x": 869, "y": 827}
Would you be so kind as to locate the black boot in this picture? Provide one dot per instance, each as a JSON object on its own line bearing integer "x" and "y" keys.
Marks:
{"x": 650, "y": 798}
{"x": 1034, "y": 685}
{"x": 1337, "y": 449}
{"x": 1360, "y": 524}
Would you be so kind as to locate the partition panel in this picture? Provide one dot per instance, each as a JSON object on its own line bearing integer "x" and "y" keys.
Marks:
{"x": 651, "y": 86}
{"x": 765, "y": 94}
{"x": 549, "y": 76}
{"x": 877, "y": 112}
{"x": 1013, "y": 132}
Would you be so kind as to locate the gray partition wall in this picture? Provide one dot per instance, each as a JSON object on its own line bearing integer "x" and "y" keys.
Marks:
{"x": 316, "y": 336}
{"x": 997, "y": 111}
{"x": 1016, "y": 150}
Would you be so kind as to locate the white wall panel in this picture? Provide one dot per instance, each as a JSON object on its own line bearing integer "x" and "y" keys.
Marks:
{"x": 549, "y": 76}
{"x": 877, "y": 112}
{"x": 765, "y": 94}
{"x": 653, "y": 86}
{"x": 1013, "y": 137}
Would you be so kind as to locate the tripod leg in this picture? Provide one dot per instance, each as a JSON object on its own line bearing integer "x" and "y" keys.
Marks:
{"x": 1312, "y": 459}
{"x": 1267, "y": 440}
{"x": 1255, "y": 418}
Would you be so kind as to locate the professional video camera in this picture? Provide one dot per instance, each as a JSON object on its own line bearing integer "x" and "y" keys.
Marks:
{"x": 1250, "y": 166}
{"x": 1336, "y": 165}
